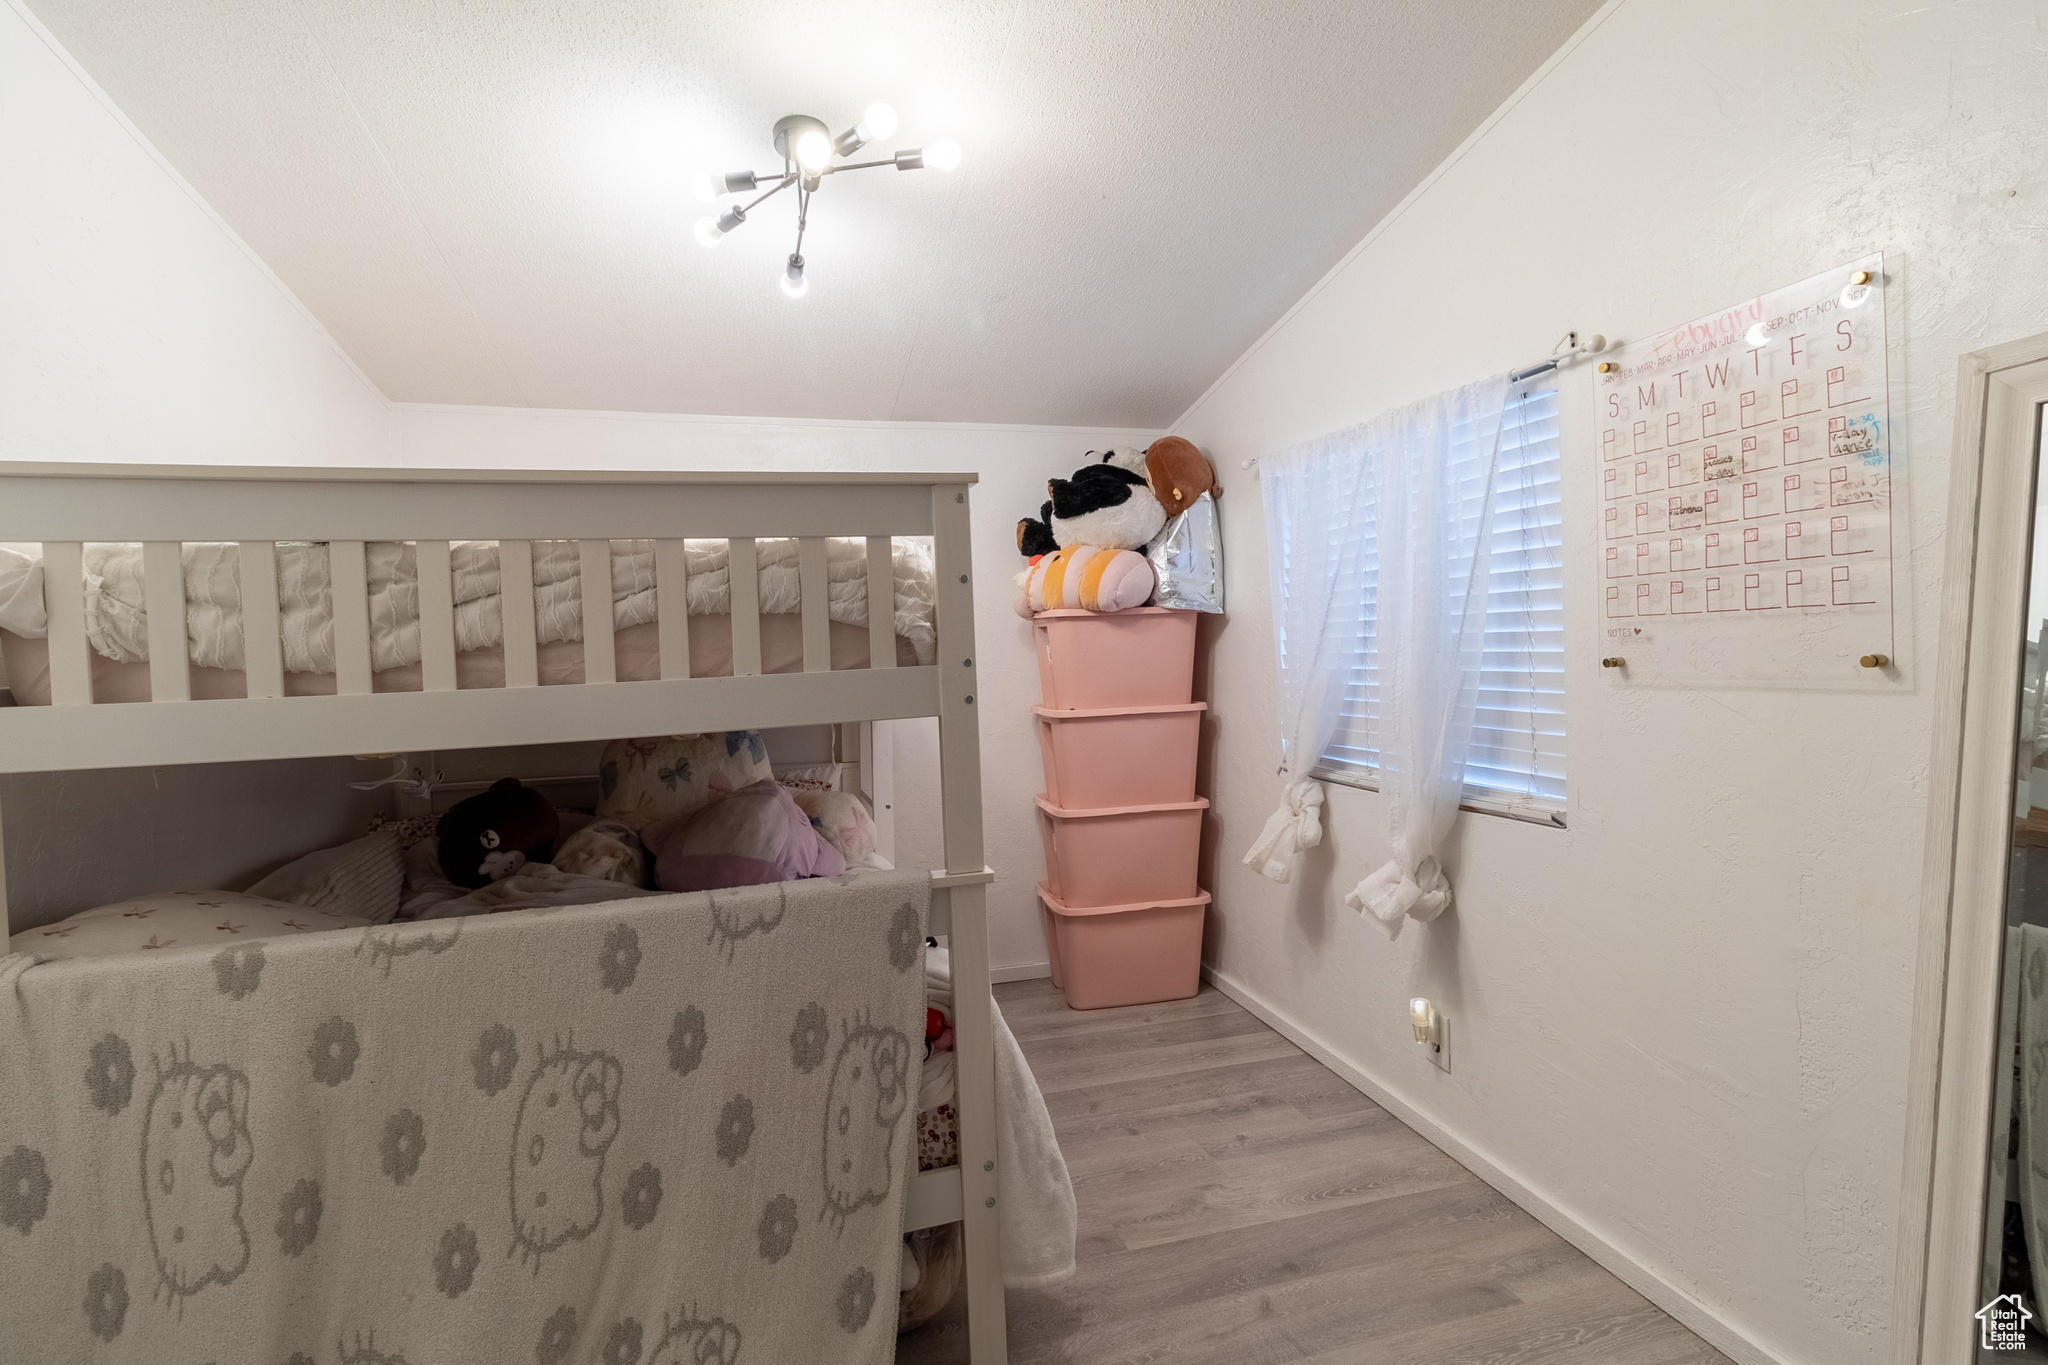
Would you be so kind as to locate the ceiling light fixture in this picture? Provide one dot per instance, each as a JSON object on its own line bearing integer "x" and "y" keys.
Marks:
{"x": 810, "y": 153}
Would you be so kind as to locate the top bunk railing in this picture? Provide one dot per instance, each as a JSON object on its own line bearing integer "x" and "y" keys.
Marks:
{"x": 65, "y": 507}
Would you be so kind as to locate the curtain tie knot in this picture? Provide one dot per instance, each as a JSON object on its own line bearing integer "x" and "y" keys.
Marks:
{"x": 1392, "y": 895}
{"x": 1295, "y": 825}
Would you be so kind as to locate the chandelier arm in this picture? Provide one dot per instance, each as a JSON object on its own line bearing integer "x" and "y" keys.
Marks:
{"x": 781, "y": 185}
{"x": 859, "y": 166}
{"x": 803, "y": 215}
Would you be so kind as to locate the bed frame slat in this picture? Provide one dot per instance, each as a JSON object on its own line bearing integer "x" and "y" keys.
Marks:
{"x": 262, "y": 637}
{"x": 349, "y": 575}
{"x": 672, "y": 607}
{"x": 933, "y": 1199}
{"x": 437, "y": 615}
{"x": 881, "y": 602}
{"x": 515, "y": 578}
{"x": 813, "y": 579}
{"x": 163, "y": 593}
{"x": 64, "y": 602}
{"x": 743, "y": 572}
{"x": 600, "y": 644}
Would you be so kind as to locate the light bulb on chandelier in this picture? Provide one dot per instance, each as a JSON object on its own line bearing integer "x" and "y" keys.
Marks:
{"x": 711, "y": 231}
{"x": 794, "y": 281}
{"x": 814, "y": 151}
{"x": 877, "y": 123}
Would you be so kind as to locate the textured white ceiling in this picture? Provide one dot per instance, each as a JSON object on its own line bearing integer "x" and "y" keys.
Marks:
{"x": 488, "y": 202}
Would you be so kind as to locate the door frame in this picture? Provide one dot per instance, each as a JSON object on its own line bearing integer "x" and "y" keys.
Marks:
{"x": 1999, "y": 393}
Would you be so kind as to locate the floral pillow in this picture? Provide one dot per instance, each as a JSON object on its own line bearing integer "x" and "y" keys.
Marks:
{"x": 607, "y": 849}
{"x": 813, "y": 777}
{"x": 177, "y": 919}
{"x": 672, "y": 777}
{"x": 844, "y": 819}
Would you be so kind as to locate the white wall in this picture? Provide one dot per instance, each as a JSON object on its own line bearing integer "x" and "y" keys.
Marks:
{"x": 76, "y": 840}
{"x": 1012, "y": 463}
{"x": 133, "y": 324}
{"x": 1683, "y": 1021}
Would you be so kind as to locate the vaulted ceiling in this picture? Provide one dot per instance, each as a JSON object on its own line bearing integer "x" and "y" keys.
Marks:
{"x": 488, "y": 202}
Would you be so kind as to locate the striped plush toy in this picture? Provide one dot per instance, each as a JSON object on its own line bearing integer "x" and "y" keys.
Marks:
{"x": 1088, "y": 577}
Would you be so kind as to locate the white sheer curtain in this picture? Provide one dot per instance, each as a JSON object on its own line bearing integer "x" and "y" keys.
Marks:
{"x": 1441, "y": 461}
{"x": 1318, "y": 498}
{"x": 1395, "y": 511}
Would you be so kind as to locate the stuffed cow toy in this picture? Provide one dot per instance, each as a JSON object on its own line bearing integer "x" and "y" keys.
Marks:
{"x": 1086, "y": 543}
{"x": 1086, "y": 539}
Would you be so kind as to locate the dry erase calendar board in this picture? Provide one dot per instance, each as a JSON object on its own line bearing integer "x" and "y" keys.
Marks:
{"x": 1745, "y": 491}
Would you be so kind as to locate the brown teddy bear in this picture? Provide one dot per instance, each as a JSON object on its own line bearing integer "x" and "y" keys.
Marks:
{"x": 1178, "y": 473}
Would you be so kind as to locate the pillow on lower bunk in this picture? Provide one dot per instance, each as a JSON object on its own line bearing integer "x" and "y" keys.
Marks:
{"x": 671, "y": 777}
{"x": 815, "y": 777}
{"x": 412, "y": 829}
{"x": 176, "y": 919}
{"x": 843, "y": 818}
{"x": 753, "y": 836}
{"x": 604, "y": 848}
{"x": 365, "y": 878}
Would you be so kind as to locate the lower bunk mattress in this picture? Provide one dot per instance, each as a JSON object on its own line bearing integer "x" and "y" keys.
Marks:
{"x": 664, "y": 1130}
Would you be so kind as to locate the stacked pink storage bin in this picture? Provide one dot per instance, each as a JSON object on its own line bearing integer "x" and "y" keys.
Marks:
{"x": 1120, "y": 819}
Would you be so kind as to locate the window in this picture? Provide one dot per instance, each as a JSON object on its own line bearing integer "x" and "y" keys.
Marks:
{"x": 1517, "y": 763}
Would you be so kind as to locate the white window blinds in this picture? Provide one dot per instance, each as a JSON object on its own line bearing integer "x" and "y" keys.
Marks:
{"x": 1517, "y": 760}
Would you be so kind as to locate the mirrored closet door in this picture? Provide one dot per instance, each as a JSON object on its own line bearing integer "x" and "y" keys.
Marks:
{"x": 2015, "y": 1248}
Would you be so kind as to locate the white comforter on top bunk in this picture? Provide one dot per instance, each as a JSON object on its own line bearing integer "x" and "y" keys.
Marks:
{"x": 117, "y": 623}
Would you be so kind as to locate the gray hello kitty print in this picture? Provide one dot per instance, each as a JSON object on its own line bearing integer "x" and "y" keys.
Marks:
{"x": 664, "y": 1131}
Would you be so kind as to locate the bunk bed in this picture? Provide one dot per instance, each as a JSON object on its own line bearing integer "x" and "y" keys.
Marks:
{"x": 670, "y": 672}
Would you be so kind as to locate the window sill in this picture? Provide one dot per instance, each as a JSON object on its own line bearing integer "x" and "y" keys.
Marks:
{"x": 1474, "y": 802}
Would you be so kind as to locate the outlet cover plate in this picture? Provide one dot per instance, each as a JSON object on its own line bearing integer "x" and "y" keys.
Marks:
{"x": 1440, "y": 1055}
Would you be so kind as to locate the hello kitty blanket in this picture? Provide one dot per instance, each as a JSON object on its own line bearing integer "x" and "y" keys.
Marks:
{"x": 647, "y": 1132}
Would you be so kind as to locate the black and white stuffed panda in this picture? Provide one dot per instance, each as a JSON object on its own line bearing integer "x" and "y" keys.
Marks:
{"x": 1106, "y": 503}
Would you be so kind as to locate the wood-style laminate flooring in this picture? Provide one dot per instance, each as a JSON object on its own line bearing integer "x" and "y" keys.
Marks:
{"x": 1240, "y": 1204}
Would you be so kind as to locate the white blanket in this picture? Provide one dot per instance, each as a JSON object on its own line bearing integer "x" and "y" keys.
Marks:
{"x": 662, "y": 1131}
{"x": 118, "y": 625}
{"x": 429, "y": 895}
{"x": 1032, "y": 1186}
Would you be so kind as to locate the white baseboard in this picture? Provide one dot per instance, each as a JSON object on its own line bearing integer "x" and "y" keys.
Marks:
{"x": 1030, "y": 971}
{"x": 1698, "y": 1317}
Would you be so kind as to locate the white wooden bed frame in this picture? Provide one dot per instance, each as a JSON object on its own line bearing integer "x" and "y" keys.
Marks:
{"x": 63, "y": 506}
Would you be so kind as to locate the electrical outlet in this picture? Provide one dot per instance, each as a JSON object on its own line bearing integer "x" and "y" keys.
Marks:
{"x": 1439, "y": 1052}
{"x": 1430, "y": 1033}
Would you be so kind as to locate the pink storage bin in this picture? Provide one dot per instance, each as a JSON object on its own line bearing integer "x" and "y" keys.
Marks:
{"x": 1052, "y": 938}
{"x": 1143, "y": 656}
{"x": 1131, "y": 756}
{"x": 1124, "y": 954}
{"x": 1121, "y": 855}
